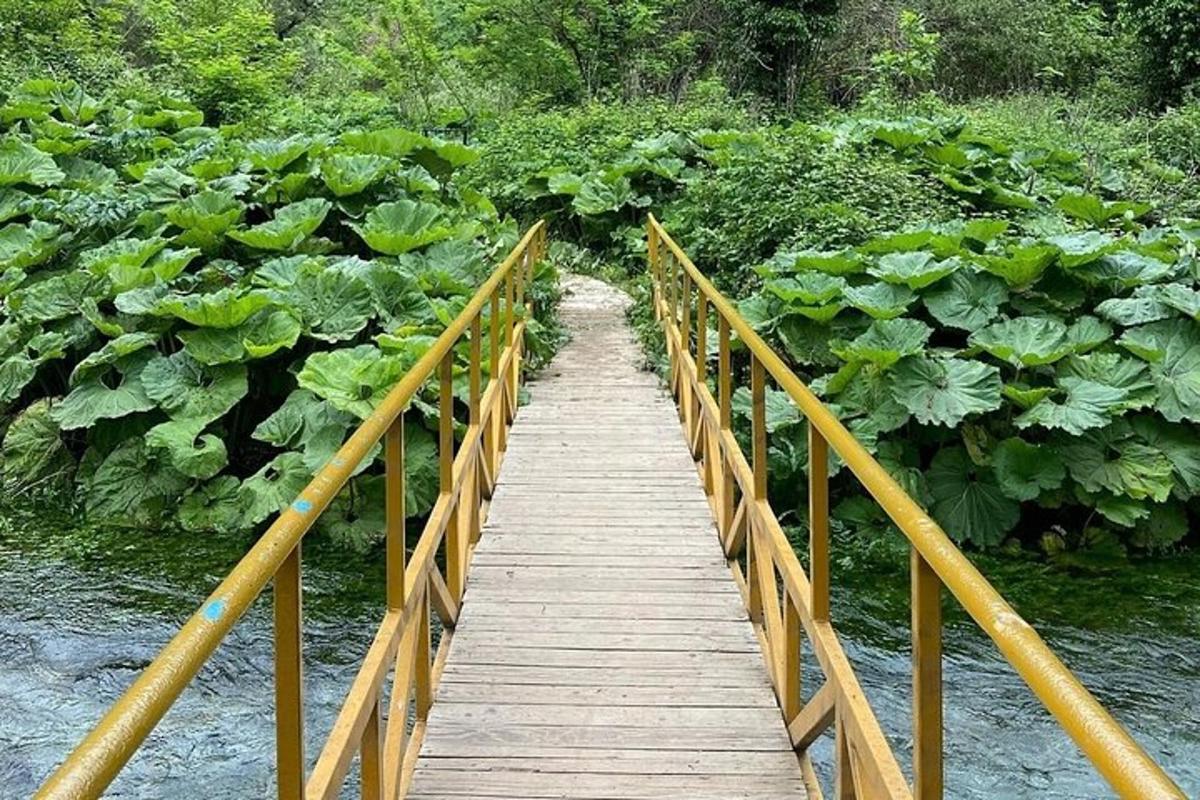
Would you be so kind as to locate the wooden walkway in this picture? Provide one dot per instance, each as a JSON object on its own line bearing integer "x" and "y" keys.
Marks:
{"x": 603, "y": 650}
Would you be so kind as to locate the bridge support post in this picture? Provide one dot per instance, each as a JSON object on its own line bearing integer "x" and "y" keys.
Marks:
{"x": 927, "y": 679}
{"x": 289, "y": 684}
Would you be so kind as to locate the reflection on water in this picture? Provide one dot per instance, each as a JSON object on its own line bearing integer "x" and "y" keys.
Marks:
{"x": 80, "y": 615}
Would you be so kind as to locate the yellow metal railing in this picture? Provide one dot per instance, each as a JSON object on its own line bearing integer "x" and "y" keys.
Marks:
{"x": 379, "y": 736}
{"x": 784, "y": 601}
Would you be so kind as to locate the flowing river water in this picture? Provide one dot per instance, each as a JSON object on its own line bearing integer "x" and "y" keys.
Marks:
{"x": 82, "y": 611}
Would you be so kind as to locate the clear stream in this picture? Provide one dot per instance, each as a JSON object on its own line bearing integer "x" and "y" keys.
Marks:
{"x": 82, "y": 611}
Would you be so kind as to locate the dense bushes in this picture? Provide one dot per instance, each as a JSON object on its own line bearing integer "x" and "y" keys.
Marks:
{"x": 192, "y": 322}
{"x": 1009, "y": 332}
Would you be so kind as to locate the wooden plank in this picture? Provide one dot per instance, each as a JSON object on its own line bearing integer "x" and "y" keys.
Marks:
{"x": 626, "y": 762}
{"x": 452, "y": 691}
{"x": 602, "y": 648}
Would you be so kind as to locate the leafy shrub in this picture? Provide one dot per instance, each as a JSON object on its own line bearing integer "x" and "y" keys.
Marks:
{"x": 1169, "y": 32}
{"x": 1036, "y": 363}
{"x": 193, "y": 322}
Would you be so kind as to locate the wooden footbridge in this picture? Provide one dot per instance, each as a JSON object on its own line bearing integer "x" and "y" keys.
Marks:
{"x": 634, "y": 618}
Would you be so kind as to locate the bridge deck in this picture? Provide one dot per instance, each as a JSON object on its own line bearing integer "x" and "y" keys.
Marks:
{"x": 603, "y": 650}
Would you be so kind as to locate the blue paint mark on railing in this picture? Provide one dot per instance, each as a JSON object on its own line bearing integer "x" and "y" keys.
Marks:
{"x": 215, "y": 608}
{"x": 302, "y": 506}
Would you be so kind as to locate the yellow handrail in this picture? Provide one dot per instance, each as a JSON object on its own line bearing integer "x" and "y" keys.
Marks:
{"x": 936, "y": 561}
{"x": 466, "y": 480}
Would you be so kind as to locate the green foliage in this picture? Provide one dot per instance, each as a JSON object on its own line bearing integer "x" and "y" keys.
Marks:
{"x": 193, "y": 336}
{"x": 1169, "y": 32}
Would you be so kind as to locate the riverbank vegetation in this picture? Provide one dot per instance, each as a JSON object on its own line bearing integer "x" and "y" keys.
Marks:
{"x": 971, "y": 226}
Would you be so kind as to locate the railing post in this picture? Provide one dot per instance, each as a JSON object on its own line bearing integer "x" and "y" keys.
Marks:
{"x": 818, "y": 522}
{"x": 758, "y": 424}
{"x": 724, "y": 398}
{"x": 702, "y": 449}
{"x": 289, "y": 681}
{"x": 394, "y": 511}
{"x": 927, "y": 679}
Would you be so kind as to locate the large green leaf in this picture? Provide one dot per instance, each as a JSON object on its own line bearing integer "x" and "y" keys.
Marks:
{"x": 33, "y": 450}
{"x": 274, "y": 155}
{"x": 1025, "y": 470}
{"x": 811, "y": 288}
{"x": 1025, "y": 341}
{"x": 354, "y": 379}
{"x": 1077, "y": 249}
{"x": 1165, "y": 526}
{"x": 880, "y": 300}
{"x": 134, "y": 486}
{"x": 291, "y": 226}
{"x": 188, "y": 390}
{"x": 1173, "y": 350}
{"x": 350, "y": 174}
{"x": 967, "y": 300}
{"x": 967, "y": 500}
{"x": 273, "y": 488}
{"x": 393, "y": 142}
{"x": 945, "y": 391}
{"x": 599, "y": 196}
{"x": 1126, "y": 270}
{"x": 1091, "y": 209}
{"x": 839, "y": 262}
{"x": 1115, "y": 460}
{"x": 205, "y": 217}
{"x": 22, "y": 163}
{"x": 226, "y": 308}
{"x": 914, "y": 270}
{"x": 191, "y": 453}
{"x": 213, "y": 506}
{"x": 1088, "y": 404}
{"x": 396, "y": 228}
{"x": 1178, "y": 442}
{"x": 1143, "y": 306}
{"x": 1022, "y": 266}
{"x": 334, "y": 306}
{"x": 886, "y": 342}
{"x": 58, "y": 296}
{"x": 111, "y": 393}
{"x": 28, "y": 245}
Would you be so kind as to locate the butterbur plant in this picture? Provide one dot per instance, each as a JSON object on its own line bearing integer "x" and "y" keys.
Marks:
{"x": 192, "y": 351}
{"x": 1032, "y": 371}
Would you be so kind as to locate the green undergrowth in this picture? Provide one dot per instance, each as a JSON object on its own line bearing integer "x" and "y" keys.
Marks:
{"x": 192, "y": 322}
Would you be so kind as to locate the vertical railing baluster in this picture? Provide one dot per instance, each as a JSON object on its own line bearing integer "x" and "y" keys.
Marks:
{"x": 423, "y": 674}
{"x": 843, "y": 770}
{"x": 703, "y": 450}
{"x": 496, "y": 424}
{"x": 818, "y": 522}
{"x": 655, "y": 273}
{"x": 475, "y": 391}
{"x": 927, "y": 679}
{"x": 685, "y": 344}
{"x": 724, "y": 399}
{"x": 289, "y": 679}
{"x": 371, "y": 782}
{"x": 673, "y": 287}
{"x": 758, "y": 425}
{"x": 510, "y": 342}
{"x": 789, "y": 685}
{"x": 394, "y": 511}
{"x": 455, "y": 580}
